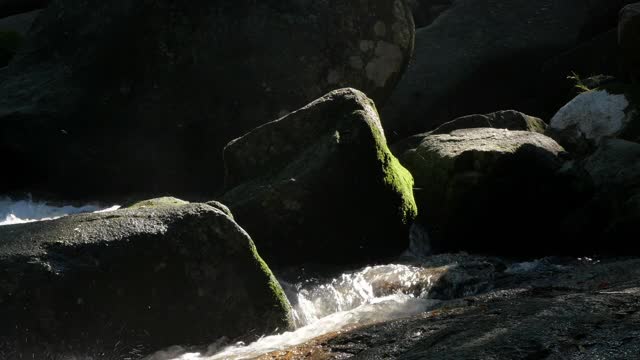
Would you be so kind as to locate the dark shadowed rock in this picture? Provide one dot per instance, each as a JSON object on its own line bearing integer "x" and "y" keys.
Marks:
{"x": 147, "y": 94}
{"x": 629, "y": 38}
{"x": 608, "y": 222}
{"x": 320, "y": 184}
{"x": 478, "y": 189}
{"x": 20, "y": 23}
{"x": 560, "y": 77}
{"x": 483, "y": 55}
{"x": 426, "y": 11}
{"x": 132, "y": 281}
{"x": 13, "y": 7}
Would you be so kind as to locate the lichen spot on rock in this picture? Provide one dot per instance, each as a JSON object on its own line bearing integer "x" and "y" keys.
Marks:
{"x": 380, "y": 29}
{"x": 387, "y": 58}
{"x": 366, "y": 45}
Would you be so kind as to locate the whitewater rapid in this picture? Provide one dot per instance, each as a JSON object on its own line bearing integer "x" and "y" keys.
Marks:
{"x": 319, "y": 305}
{"x": 27, "y": 210}
{"x": 370, "y": 295}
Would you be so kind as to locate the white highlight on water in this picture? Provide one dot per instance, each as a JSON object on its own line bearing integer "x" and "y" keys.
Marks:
{"x": 27, "y": 210}
{"x": 370, "y": 295}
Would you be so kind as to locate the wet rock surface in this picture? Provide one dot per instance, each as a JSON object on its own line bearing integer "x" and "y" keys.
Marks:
{"x": 552, "y": 308}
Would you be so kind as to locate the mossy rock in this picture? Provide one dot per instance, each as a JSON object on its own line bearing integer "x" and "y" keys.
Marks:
{"x": 162, "y": 201}
{"x": 320, "y": 184}
{"x": 10, "y": 42}
{"x": 138, "y": 279}
{"x": 220, "y": 206}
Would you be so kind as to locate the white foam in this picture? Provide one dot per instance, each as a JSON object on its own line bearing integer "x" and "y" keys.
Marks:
{"x": 27, "y": 210}
{"x": 370, "y": 295}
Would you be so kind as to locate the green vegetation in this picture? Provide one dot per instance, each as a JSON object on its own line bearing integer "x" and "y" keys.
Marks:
{"x": 396, "y": 177}
{"x": 163, "y": 201}
{"x": 579, "y": 83}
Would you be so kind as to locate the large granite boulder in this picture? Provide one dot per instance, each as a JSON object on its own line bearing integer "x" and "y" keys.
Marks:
{"x": 629, "y": 38}
{"x": 484, "y": 55}
{"x": 608, "y": 222}
{"x": 147, "y": 94}
{"x": 321, "y": 185}
{"x": 505, "y": 119}
{"x": 14, "y": 7}
{"x": 20, "y": 23}
{"x": 595, "y": 115}
{"x": 488, "y": 190}
{"x": 427, "y": 11}
{"x": 129, "y": 282}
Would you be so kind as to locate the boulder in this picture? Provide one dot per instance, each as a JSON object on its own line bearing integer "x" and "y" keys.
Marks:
{"x": 507, "y": 119}
{"x": 608, "y": 223}
{"x": 14, "y": 7}
{"x": 129, "y": 282}
{"x": 426, "y": 11}
{"x": 321, "y": 185}
{"x": 20, "y": 23}
{"x": 483, "y": 55}
{"x": 629, "y": 38}
{"x": 597, "y": 114}
{"x": 10, "y": 42}
{"x": 481, "y": 189}
{"x": 147, "y": 95}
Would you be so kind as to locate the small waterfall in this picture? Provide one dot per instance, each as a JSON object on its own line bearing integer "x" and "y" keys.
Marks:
{"x": 370, "y": 295}
{"x": 27, "y": 210}
{"x": 313, "y": 301}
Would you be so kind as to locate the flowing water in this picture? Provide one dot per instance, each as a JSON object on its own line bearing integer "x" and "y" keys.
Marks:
{"x": 319, "y": 305}
{"x": 366, "y": 296}
{"x": 27, "y": 210}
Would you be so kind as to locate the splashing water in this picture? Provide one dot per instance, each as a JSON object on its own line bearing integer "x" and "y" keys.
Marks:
{"x": 370, "y": 295}
{"x": 24, "y": 211}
